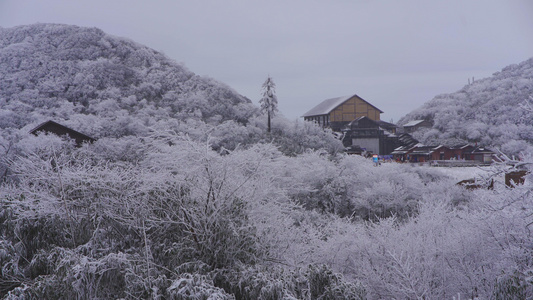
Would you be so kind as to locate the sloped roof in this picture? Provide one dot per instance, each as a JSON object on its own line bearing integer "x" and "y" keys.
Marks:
{"x": 58, "y": 129}
{"x": 461, "y": 146}
{"x": 326, "y": 106}
{"x": 480, "y": 150}
{"x": 364, "y": 119}
{"x": 423, "y": 150}
{"x": 413, "y": 123}
{"x": 407, "y": 140}
{"x": 386, "y": 124}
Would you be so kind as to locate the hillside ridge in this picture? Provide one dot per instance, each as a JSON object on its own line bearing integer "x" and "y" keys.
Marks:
{"x": 487, "y": 112}
{"x": 60, "y": 71}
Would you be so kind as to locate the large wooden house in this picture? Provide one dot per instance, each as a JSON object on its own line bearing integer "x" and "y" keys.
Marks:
{"x": 336, "y": 113}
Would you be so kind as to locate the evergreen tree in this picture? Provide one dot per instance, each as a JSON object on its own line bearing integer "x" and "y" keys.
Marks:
{"x": 269, "y": 102}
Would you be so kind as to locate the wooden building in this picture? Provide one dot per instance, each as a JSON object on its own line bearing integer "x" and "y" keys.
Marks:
{"x": 369, "y": 135}
{"x": 420, "y": 153}
{"x": 423, "y": 153}
{"x": 60, "y": 130}
{"x": 459, "y": 151}
{"x": 336, "y": 113}
{"x": 441, "y": 153}
{"x": 479, "y": 154}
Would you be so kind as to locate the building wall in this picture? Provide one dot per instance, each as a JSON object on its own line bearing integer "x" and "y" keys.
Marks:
{"x": 322, "y": 120}
{"x": 443, "y": 153}
{"x": 369, "y": 144}
{"x": 353, "y": 109}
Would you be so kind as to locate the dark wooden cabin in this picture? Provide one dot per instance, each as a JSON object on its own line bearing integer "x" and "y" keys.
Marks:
{"x": 60, "y": 130}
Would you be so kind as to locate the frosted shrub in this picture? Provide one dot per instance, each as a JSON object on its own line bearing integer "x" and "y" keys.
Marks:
{"x": 350, "y": 186}
{"x": 297, "y": 137}
{"x": 196, "y": 287}
{"x": 513, "y": 287}
{"x": 311, "y": 282}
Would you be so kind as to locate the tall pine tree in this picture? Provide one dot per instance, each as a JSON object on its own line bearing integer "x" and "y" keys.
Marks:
{"x": 269, "y": 102}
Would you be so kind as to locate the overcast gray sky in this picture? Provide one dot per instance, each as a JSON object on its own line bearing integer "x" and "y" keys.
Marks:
{"x": 394, "y": 54}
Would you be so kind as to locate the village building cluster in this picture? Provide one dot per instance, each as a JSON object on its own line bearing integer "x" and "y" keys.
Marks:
{"x": 364, "y": 133}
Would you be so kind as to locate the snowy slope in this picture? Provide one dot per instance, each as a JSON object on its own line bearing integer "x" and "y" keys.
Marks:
{"x": 63, "y": 71}
{"x": 486, "y": 112}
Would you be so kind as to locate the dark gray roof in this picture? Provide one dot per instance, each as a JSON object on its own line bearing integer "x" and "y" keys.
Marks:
{"x": 326, "y": 106}
{"x": 58, "y": 129}
{"x": 386, "y": 125}
{"x": 407, "y": 140}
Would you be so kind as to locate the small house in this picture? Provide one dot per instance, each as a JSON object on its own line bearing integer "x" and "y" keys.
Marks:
{"x": 479, "y": 154}
{"x": 407, "y": 143}
{"x": 459, "y": 151}
{"x": 421, "y": 153}
{"x": 61, "y": 130}
{"x": 442, "y": 153}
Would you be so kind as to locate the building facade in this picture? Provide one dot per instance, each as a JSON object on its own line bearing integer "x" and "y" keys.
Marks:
{"x": 336, "y": 113}
{"x": 424, "y": 153}
{"x": 376, "y": 137}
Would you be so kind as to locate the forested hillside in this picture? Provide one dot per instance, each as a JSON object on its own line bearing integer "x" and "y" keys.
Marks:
{"x": 61, "y": 71}
{"x": 105, "y": 86}
{"x": 488, "y": 112}
{"x": 184, "y": 194}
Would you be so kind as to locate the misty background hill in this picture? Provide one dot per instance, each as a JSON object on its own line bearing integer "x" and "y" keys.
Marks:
{"x": 489, "y": 112}
{"x": 50, "y": 70}
{"x": 107, "y": 86}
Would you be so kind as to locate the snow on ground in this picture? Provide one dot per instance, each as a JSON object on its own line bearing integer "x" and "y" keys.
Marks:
{"x": 462, "y": 173}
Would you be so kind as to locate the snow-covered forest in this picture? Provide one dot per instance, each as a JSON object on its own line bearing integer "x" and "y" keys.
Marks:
{"x": 185, "y": 195}
{"x": 109, "y": 87}
{"x": 489, "y": 112}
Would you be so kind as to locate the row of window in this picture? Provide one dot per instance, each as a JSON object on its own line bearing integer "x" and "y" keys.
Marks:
{"x": 370, "y": 132}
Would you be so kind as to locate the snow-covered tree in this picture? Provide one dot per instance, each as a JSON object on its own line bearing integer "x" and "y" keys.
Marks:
{"x": 269, "y": 102}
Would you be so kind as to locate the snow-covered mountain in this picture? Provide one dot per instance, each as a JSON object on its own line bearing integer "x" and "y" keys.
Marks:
{"x": 488, "y": 112}
{"x": 60, "y": 71}
{"x": 107, "y": 86}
